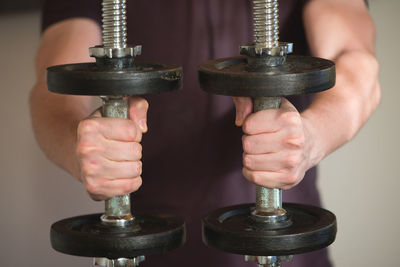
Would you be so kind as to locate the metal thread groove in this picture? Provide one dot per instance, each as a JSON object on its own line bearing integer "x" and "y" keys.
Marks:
{"x": 266, "y": 23}
{"x": 114, "y": 23}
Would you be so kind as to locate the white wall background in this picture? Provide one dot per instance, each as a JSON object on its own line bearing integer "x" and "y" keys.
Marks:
{"x": 359, "y": 183}
{"x": 33, "y": 192}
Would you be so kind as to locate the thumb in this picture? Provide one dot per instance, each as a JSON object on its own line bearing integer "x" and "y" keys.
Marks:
{"x": 286, "y": 105}
{"x": 244, "y": 107}
{"x": 96, "y": 113}
{"x": 138, "y": 107}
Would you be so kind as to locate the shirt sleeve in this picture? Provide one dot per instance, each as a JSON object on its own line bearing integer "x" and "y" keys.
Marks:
{"x": 55, "y": 11}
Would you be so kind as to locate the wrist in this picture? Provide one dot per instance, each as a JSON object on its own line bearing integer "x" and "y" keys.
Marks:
{"x": 72, "y": 163}
{"x": 314, "y": 149}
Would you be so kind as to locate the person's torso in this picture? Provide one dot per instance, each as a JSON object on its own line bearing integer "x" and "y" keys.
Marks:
{"x": 193, "y": 149}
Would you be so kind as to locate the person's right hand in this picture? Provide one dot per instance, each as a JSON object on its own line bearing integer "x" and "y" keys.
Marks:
{"x": 109, "y": 152}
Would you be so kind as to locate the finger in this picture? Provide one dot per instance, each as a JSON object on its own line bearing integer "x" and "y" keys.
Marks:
{"x": 264, "y": 143}
{"x": 273, "y": 162}
{"x": 244, "y": 107}
{"x": 280, "y": 180}
{"x": 104, "y": 189}
{"x": 287, "y": 105}
{"x": 138, "y": 107}
{"x": 271, "y": 120}
{"x": 122, "y": 151}
{"x": 100, "y": 167}
{"x": 266, "y": 179}
{"x": 96, "y": 113}
{"x": 116, "y": 129}
{"x": 264, "y": 121}
{"x": 121, "y": 169}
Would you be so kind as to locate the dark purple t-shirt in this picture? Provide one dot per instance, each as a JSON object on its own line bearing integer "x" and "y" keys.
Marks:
{"x": 192, "y": 158}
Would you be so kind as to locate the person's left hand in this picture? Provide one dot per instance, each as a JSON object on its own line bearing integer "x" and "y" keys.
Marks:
{"x": 276, "y": 144}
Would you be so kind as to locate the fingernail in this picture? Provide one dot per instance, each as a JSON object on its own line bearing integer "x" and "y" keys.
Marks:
{"x": 239, "y": 123}
{"x": 143, "y": 125}
{"x": 239, "y": 119}
{"x": 139, "y": 104}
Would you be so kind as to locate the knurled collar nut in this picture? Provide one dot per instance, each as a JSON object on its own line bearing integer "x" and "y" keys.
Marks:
{"x": 252, "y": 50}
{"x": 123, "y": 262}
{"x": 268, "y": 260}
{"x": 100, "y": 51}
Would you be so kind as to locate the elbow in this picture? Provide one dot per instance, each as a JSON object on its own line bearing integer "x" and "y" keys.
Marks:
{"x": 33, "y": 100}
{"x": 370, "y": 89}
{"x": 372, "y": 85}
{"x": 376, "y": 90}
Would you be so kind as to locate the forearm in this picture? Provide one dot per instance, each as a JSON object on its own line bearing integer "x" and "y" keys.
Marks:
{"x": 344, "y": 32}
{"x": 335, "y": 116}
{"x": 55, "y": 119}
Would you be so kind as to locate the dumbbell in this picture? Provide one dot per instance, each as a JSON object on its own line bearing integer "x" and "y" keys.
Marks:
{"x": 268, "y": 232}
{"x": 116, "y": 238}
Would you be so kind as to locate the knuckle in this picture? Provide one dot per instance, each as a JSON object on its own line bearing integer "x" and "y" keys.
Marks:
{"x": 287, "y": 187}
{"x": 131, "y": 185}
{"x": 92, "y": 186}
{"x": 127, "y": 187}
{"x": 133, "y": 131}
{"x": 247, "y": 161}
{"x": 247, "y": 144}
{"x": 85, "y": 148}
{"x": 137, "y": 150}
{"x": 290, "y": 179}
{"x": 293, "y": 160}
{"x": 247, "y": 126}
{"x": 296, "y": 141}
{"x": 245, "y": 173}
{"x": 256, "y": 177}
{"x": 137, "y": 184}
{"x": 137, "y": 168}
{"x": 81, "y": 149}
{"x": 253, "y": 177}
{"x": 97, "y": 197}
{"x": 291, "y": 118}
{"x": 144, "y": 104}
{"x": 88, "y": 126}
{"x": 139, "y": 103}
{"x": 89, "y": 168}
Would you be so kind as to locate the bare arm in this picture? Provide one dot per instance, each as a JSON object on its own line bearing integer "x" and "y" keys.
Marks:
{"x": 342, "y": 31}
{"x": 55, "y": 117}
{"x": 281, "y": 145}
{"x": 102, "y": 153}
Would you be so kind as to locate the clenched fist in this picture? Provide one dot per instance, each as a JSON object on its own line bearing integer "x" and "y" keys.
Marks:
{"x": 276, "y": 144}
{"x": 109, "y": 151}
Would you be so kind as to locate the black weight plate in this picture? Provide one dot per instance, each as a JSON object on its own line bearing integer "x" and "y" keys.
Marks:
{"x": 233, "y": 230}
{"x": 88, "y": 79}
{"x": 87, "y": 236}
{"x": 299, "y": 75}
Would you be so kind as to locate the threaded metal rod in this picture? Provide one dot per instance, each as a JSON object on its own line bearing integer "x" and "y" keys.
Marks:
{"x": 266, "y": 23}
{"x": 114, "y": 23}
